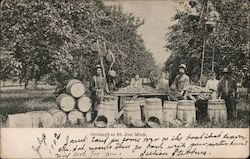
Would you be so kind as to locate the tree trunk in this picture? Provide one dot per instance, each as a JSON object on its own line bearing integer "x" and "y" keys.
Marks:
{"x": 26, "y": 84}
{"x": 35, "y": 83}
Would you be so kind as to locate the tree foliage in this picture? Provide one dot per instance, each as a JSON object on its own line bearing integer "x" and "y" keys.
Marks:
{"x": 60, "y": 38}
{"x": 230, "y": 39}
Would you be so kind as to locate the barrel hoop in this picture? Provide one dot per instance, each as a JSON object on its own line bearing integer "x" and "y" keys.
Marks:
{"x": 127, "y": 109}
{"x": 132, "y": 102}
{"x": 186, "y": 108}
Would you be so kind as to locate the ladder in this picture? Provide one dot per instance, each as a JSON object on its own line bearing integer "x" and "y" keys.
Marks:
{"x": 207, "y": 60}
{"x": 208, "y": 54}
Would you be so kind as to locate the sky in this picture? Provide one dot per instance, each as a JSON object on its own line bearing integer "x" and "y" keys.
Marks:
{"x": 157, "y": 15}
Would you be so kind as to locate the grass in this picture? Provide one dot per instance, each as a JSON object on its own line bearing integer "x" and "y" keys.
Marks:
{"x": 18, "y": 100}
{"x": 14, "y": 101}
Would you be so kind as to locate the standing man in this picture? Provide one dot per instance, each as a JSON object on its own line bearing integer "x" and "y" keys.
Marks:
{"x": 180, "y": 85}
{"x": 97, "y": 86}
{"x": 212, "y": 85}
{"x": 202, "y": 104}
{"x": 227, "y": 91}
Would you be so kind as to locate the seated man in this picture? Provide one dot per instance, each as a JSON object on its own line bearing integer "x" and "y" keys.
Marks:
{"x": 136, "y": 82}
{"x": 192, "y": 10}
{"x": 163, "y": 84}
{"x": 193, "y": 14}
{"x": 212, "y": 18}
{"x": 180, "y": 85}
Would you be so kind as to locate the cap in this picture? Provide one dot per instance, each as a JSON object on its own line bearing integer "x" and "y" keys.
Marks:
{"x": 183, "y": 66}
{"x": 98, "y": 66}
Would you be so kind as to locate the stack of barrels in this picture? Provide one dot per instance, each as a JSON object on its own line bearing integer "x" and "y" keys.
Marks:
{"x": 71, "y": 105}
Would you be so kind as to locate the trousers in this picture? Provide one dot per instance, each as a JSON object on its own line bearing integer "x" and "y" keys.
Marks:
{"x": 231, "y": 105}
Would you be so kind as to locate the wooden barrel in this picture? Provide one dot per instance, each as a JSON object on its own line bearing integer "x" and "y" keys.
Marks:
{"x": 217, "y": 112}
{"x": 59, "y": 117}
{"x": 41, "y": 119}
{"x": 23, "y": 120}
{"x": 75, "y": 88}
{"x": 74, "y": 115}
{"x": 153, "y": 108}
{"x": 186, "y": 111}
{"x": 132, "y": 111}
{"x": 169, "y": 111}
{"x": 108, "y": 109}
{"x": 84, "y": 104}
{"x": 65, "y": 102}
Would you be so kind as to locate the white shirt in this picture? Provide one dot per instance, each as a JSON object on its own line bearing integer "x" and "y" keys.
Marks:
{"x": 136, "y": 83}
{"x": 212, "y": 85}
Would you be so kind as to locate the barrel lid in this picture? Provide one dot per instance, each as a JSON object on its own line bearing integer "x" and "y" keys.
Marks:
{"x": 153, "y": 100}
{"x": 85, "y": 100}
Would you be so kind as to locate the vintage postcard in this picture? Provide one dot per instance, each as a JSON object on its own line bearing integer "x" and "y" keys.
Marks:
{"x": 124, "y": 79}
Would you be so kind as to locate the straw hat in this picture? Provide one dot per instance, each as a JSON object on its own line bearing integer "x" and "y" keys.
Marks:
{"x": 193, "y": 1}
{"x": 183, "y": 66}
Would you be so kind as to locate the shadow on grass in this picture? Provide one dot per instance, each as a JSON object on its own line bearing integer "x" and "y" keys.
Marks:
{"x": 49, "y": 99}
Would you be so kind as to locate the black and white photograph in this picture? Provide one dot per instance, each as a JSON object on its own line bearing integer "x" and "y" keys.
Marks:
{"x": 126, "y": 64}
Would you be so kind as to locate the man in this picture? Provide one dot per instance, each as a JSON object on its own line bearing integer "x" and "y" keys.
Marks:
{"x": 201, "y": 104}
{"x": 212, "y": 18}
{"x": 212, "y": 85}
{"x": 97, "y": 86}
{"x": 163, "y": 84}
{"x": 192, "y": 10}
{"x": 136, "y": 82}
{"x": 180, "y": 85}
{"x": 227, "y": 91}
{"x": 193, "y": 14}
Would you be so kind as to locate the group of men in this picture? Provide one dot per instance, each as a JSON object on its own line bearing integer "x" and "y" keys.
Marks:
{"x": 223, "y": 89}
{"x": 194, "y": 13}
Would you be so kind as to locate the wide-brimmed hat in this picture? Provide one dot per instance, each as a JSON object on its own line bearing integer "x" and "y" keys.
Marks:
{"x": 193, "y": 1}
{"x": 98, "y": 66}
{"x": 183, "y": 66}
{"x": 210, "y": 6}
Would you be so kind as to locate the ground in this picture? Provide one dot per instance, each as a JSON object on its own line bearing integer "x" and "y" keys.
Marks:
{"x": 14, "y": 99}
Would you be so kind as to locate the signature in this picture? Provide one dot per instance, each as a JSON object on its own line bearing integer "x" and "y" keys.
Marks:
{"x": 40, "y": 143}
